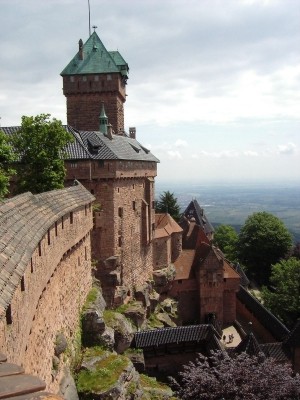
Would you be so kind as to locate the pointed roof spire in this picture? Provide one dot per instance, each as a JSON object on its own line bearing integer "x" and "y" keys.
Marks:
{"x": 103, "y": 120}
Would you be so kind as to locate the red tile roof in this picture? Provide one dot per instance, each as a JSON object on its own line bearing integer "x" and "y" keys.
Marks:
{"x": 165, "y": 225}
{"x": 184, "y": 263}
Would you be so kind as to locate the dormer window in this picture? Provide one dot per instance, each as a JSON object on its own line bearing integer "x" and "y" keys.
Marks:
{"x": 135, "y": 148}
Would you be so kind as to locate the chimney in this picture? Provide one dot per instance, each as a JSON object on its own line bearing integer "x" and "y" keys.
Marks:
{"x": 132, "y": 132}
{"x": 109, "y": 132}
{"x": 80, "y": 43}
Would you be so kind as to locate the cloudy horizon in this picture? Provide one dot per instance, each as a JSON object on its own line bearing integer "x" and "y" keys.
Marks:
{"x": 213, "y": 87}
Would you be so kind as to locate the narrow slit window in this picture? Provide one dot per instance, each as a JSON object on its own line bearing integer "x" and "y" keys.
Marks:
{"x": 8, "y": 315}
{"x": 71, "y": 217}
{"x": 23, "y": 284}
{"x": 49, "y": 237}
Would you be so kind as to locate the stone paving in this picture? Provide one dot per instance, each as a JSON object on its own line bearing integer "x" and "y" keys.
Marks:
{"x": 230, "y": 330}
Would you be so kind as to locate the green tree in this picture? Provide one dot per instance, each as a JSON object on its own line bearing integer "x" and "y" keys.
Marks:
{"x": 284, "y": 298}
{"x": 226, "y": 238}
{"x": 263, "y": 241}
{"x": 40, "y": 144}
{"x": 167, "y": 203}
{"x": 7, "y": 157}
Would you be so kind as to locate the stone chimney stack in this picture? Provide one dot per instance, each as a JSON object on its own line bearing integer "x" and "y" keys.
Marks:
{"x": 109, "y": 131}
{"x": 80, "y": 43}
{"x": 132, "y": 132}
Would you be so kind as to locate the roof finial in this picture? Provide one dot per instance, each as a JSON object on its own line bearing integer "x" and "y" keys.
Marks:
{"x": 94, "y": 27}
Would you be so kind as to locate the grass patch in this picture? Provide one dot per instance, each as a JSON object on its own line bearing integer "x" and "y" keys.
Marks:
{"x": 109, "y": 317}
{"x": 90, "y": 298}
{"x": 149, "y": 382}
{"x": 154, "y": 323}
{"x": 95, "y": 351}
{"x": 104, "y": 376}
{"x": 124, "y": 307}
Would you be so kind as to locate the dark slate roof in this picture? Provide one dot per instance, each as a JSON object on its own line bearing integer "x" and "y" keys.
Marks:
{"x": 277, "y": 351}
{"x": 244, "y": 279}
{"x": 95, "y": 145}
{"x": 179, "y": 334}
{"x": 294, "y": 337}
{"x": 96, "y": 60}
{"x": 264, "y": 316}
{"x": 194, "y": 210}
{"x": 249, "y": 345}
{"x": 24, "y": 220}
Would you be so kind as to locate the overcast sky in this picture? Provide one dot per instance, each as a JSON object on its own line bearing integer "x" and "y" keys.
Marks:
{"x": 213, "y": 89}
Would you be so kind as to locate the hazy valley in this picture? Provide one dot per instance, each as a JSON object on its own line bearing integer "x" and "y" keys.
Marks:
{"x": 232, "y": 203}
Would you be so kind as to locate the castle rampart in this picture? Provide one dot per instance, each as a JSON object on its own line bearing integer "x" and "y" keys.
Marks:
{"x": 45, "y": 275}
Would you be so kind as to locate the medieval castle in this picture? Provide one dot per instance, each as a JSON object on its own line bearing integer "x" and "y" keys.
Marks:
{"x": 46, "y": 255}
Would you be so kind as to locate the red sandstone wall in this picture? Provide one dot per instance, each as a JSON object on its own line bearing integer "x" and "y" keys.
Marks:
{"x": 187, "y": 293}
{"x": 176, "y": 246}
{"x": 261, "y": 333}
{"x": 84, "y": 97}
{"x": 56, "y": 284}
{"x": 162, "y": 252}
{"x": 210, "y": 278}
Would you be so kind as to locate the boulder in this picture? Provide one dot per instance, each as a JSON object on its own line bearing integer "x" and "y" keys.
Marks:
{"x": 124, "y": 331}
{"x": 165, "y": 319}
{"x": 60, "y": 344}
{"x": 67, "y": 386}
{"x": 93, "y": 324}
{"x": 107, "y": 339}
{"x": 142, "y": 294}
{"x": 136, "y": 313}
{"x": 154, "y": 300}
{"x": 118, "y": 378}
{"x": 163, "y": 278}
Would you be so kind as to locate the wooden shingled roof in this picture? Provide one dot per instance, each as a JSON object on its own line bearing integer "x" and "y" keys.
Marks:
{"x": 24, "y": 220}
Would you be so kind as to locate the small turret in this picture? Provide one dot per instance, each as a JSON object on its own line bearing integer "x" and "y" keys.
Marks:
{"x": 103, "y": 120}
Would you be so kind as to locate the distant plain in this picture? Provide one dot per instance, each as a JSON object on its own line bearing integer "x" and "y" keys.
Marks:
{"x": 231, "y": 204}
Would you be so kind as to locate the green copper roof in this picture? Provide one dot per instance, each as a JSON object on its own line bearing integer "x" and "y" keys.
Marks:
{"x": 96, "y": 60}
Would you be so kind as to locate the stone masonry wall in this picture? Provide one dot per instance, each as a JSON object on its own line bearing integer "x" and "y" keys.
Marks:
{"x": 50, "y": 296}
{"x": 124, "y": 224}
{"x": 84, "y": 97}
{"x": 211, "y": 288}
{"x": 162, "y": 252}
{"x": 262, "y": 334}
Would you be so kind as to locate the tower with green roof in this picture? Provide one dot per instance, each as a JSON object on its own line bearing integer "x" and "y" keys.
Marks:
{"x": 95, "y": 76}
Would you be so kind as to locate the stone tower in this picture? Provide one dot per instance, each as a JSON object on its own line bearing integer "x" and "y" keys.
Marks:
{"x": 92, "y": 77}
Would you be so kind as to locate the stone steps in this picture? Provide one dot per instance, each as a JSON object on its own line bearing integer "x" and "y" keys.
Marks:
{"x": 16, "y": 385}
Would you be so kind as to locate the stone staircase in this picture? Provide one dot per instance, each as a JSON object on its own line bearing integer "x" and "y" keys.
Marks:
{"x": 16, "y": 385}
